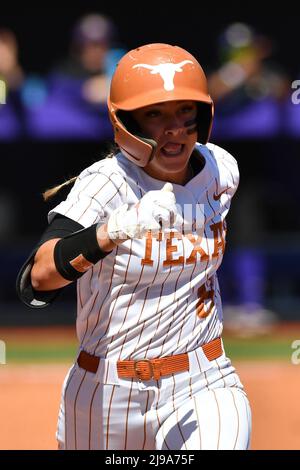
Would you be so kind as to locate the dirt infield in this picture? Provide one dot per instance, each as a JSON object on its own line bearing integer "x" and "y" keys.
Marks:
{"x": 30, "y": 398}
{"x": 273, "y": 390}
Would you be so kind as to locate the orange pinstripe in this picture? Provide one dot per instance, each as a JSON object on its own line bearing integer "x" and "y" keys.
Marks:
{"x": 238, "y": 419}
{"x": 87, "y": 320}
{"x": 219, "y": 425}
{"x": 165, "y": 441}
{"x": 108, "y": 416}
{"x": 207, "y": 383}
{"x": 145, "y": 298}
{"x": 108, "y": 292}
{"x": 90, "y": 414}
{"x": 129, "y": 304}
{"x": 78, "y": 196}
{"x": 145, "y": 422}
{"x": 65, "y": 395}
{"x": 196, "y": 320}
{"x": 173, "y": 393}
{"x": 127, "y": 414}
{"x": 222, "y": 376}
{"x": 172, "y": 321}
{"x": 178, "y": 424}
{"x": 159, "y": 319}
{"x": 116, "y": 299}
{"x": 212, "y": 208}
{"x": 75, "y": 403}
{"x": 199, "y": 427}
{"x": 196, "y": 354}
{"x": 156, "y": 407}
{"x": 106, "y": 377}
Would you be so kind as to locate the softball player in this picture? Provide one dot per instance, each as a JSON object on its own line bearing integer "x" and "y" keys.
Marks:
{"x": 143, "y": 233}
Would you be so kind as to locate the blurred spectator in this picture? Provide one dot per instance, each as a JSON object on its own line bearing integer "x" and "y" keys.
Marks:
{"x": 248, "y": 89}
{"x": 246, "y": 68}
{"x": 10, "y": 70}
{"x": 93, "y": 37}
{"x": 248, "y": 85}
{"x": 11, "y": 78}
{"x": 77, "y": 87}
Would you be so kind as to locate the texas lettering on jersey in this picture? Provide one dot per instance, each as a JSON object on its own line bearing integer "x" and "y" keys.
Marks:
{"x": 129, "y": 302}
{"x": 170, "y": 258}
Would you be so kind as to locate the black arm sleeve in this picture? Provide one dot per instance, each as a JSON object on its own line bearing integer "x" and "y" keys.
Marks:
{"x": 60, "y": 227}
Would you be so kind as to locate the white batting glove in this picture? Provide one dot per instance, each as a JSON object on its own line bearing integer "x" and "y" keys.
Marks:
{"x": 156, "y": 210}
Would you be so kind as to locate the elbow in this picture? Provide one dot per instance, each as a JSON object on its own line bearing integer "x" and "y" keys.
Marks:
{"x": 44, "y": 276}
{"x": 40, "y": 277}
{"x": 46, "y": 279}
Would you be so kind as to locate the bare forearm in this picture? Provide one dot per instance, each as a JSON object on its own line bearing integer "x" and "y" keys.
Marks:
{"x": 105, "y": 243}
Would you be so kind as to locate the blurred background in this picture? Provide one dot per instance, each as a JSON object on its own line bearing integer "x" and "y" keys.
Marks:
{"x": 55, "y": 70}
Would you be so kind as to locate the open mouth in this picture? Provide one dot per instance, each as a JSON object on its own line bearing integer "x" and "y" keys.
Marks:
{"x": 172, "y": 149}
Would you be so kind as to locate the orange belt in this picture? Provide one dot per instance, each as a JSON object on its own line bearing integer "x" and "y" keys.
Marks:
{"x": 146, "y": 369}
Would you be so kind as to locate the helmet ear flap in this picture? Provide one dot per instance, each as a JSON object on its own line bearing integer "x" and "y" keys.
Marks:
{"x": 129, "y": 137}
{"x": 128, "y": 121}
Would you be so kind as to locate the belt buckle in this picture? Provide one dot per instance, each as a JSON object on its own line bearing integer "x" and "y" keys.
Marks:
{"x": 139, "y": 373}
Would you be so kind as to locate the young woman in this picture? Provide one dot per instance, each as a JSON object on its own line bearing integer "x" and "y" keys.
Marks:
{"x": 143, "y": 233}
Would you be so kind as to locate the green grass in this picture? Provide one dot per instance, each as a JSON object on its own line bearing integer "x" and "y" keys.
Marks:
{"x": 236, "y": 348}
{"x": 258, "y": 348}
{"x": 25, "y": 353}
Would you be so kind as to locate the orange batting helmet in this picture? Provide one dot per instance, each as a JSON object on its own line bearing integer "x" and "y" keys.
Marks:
{"x": 153, "y": 74}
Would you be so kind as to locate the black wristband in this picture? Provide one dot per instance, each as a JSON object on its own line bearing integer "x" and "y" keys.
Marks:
{"x": 76, "y": 253}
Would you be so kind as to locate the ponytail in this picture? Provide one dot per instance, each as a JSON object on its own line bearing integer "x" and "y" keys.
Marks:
{"x": 52, "y": 191}
{"x": 49, "y": 193}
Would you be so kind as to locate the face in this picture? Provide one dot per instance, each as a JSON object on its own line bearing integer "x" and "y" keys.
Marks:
{"x": 172, "y": 125}
{"x": 93, "y": 55}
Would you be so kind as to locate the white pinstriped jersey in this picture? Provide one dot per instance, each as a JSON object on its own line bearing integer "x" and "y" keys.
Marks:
{"x": 157, "y": 296}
